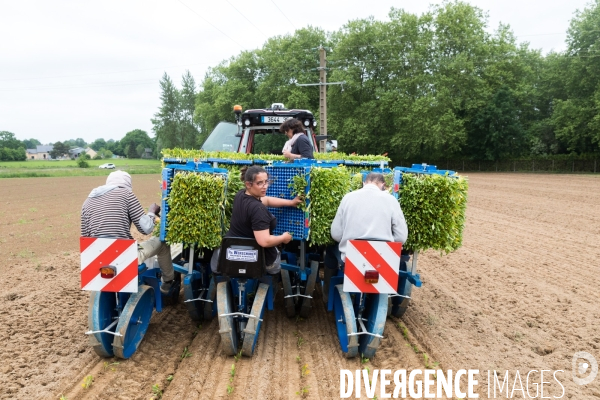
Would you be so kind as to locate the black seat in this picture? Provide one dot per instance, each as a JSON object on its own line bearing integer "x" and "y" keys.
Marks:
{"x": 241, "y": 258}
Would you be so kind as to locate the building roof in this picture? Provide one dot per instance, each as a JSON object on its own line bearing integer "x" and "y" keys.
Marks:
{"x": 41, "y": 149}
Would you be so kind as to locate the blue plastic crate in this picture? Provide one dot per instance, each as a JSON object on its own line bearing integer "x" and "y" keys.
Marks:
{"x": 168, "y": 173}
{"x": 289, "y": 219}
{"x": 226, "y": 161}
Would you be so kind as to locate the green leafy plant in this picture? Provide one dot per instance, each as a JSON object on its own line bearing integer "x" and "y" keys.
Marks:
{"x": 169, "y": 378}
{"x": 185, "y": 354}
{"x": 304, "y": 370}
{"x": 434, "y": 207}
{"x": 156, "y": 391}
{"x": 327, "y": 188}
{"x": 363, "y": 360}
{"x": 196, "y": 205}
{"x": 238, "y": 356}
{"x": 303, "y": 391}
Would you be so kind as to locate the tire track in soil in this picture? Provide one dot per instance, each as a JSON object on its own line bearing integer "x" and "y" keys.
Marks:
{"x": 265, "y": 369}
{"x": 194, "y": 372}
{"x": 325, "y": 349}
{"x": 157, "y": 357}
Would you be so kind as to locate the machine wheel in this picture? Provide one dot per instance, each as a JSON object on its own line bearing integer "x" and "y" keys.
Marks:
{"x": 290, "y": 305}
{"x": 400, "y": 304}
{"x": 227, "y": 325}
{"x": 253, "y": 325}
{"x": 209, "y": 309}
{"x": 310, "y": 289}
{"x": 134, "y": 322}
{"x": 345, "y": 321}
{"x": 375, "y": 313}
{"x": 102, "y": 311}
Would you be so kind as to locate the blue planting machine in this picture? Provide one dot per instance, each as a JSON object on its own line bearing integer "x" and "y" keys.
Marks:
{"x": 242, "y": 290}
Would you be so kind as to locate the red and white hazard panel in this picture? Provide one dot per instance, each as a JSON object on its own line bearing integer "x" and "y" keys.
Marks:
{"x": 372, "y": 266}
{"x": 109, "y": 265}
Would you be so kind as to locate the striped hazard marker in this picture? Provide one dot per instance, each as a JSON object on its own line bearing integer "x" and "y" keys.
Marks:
{"x": 372, "y": 266}
{"x": 109, "y": 265}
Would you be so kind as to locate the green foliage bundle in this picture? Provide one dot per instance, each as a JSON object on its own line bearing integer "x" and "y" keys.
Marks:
{"x": 327, "y": 188}
{"x": 196, "y": 205}
{"x": 434, "y": 208}
{"x": 234, "y": 185}
{"x": 191, "y": 154}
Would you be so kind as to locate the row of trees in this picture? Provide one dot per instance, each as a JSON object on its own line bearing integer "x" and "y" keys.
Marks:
{"x": 133, "y": 145}
{"x": 174, "y": 124}
{"x": 417, "y": 86}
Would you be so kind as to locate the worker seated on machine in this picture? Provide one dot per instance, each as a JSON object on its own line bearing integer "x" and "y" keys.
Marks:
{"x": 109, "y": 211}
{"x": 250, "y": 217}
{"x": 382, "y": 219}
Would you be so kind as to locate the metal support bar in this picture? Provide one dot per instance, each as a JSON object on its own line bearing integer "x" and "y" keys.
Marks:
{"x": 191, "y": 262}
{"x": 364, "y": 330}
{"x": 399, "y": 295}
{"x": 106, "y": 330}
{"x": 240, "y": 314}
{"x": 321, "y": 84}
{"x": 297, "y": 295}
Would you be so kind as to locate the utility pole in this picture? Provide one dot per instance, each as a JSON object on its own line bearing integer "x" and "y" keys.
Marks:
{"x": 322, "y": 91}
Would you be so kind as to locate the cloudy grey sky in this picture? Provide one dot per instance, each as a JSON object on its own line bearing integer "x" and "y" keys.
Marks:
{"x": 86, "y": 69}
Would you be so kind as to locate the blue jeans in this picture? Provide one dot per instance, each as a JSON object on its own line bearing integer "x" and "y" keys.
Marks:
{"x": 333, "y": 257}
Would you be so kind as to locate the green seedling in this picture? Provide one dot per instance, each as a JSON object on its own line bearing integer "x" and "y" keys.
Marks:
{"x": 185, "y": 353}
{"x": 238, "y": 356}
{"x": 304, "y": 370}
{"x": 63, "y": 397}
{"x": 156, "y": 391}
{"x": 303, "y": 391}
{"x": 108, "y": 365}
{"x": 232, "y": 370}
{"x": 298, "y": 359}
{"x": 404, "y": 330}
{"x": 363, "y": 360}
{"x": 169, "y": 378}
{"x": 87, "y": 382}
{"x": 230, "y": 389}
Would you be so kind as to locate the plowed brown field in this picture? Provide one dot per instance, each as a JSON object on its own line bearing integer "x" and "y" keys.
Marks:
{"x": 520, "y": 295}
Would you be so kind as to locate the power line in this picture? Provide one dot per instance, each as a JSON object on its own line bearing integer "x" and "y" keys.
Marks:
{"x": 243, "y": 15}
{"x": 208, "y": 22}
{"x": 284, "y": 14}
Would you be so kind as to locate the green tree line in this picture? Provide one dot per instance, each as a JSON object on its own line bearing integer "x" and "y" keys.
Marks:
{"x": 133, "y": 145}
{"x": 423, "y": 86}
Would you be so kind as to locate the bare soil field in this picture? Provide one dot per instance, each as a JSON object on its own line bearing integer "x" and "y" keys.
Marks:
{"x": 518, "y": 296}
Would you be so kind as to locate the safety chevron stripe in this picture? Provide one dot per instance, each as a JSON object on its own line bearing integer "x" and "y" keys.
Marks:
{"x": 365, "y": 255}
{"x": 119, "y": 253}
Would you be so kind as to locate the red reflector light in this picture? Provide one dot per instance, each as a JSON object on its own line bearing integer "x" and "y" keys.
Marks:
{"x": 371, "y": 276}
{"x": 108, "y": 272}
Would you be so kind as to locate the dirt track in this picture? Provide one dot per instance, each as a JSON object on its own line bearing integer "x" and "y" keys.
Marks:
{"x": 519, "y": 295}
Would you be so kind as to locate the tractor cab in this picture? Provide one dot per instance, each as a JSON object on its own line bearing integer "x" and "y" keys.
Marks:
{"x": 256, "y": 131}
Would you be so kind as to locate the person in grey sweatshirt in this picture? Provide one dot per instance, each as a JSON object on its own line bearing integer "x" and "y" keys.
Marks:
{"x": 367, "y": 213}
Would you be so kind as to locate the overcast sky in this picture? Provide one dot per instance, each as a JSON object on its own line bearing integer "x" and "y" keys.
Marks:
{"x": 72, "y": 69}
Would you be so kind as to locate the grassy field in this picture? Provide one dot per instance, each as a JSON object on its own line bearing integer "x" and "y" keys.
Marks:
{"x": 46, "y": 168}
